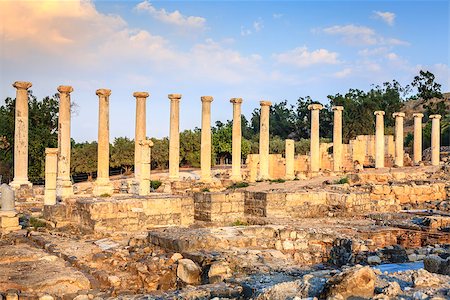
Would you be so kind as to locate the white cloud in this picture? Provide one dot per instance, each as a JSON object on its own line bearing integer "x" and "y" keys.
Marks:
{"x": 258, "y": 25}
{"x": 174, "y": 18}
{"x": 387, "y": 17}
{"x": 361, "y": 36}
{"x": 302, "y": 58}
{"x": 245, "y": 31}
{"x": 373, "y": 52}
{"x": 392, "y": 56}
{"x": 277, "y": 16}
{"x": 343, "y": 73}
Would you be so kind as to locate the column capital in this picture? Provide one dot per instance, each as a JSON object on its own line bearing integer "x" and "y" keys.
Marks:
{"x": 22, "y": 85}
{"x": 103, "y": 92}
{"x": 265, "y": 103}
{"x": 315, "y": 106}
{"x": 379, "y": 113}
{"x": 207, "y": 98}
{"x": 338, "y": 108}
{"x": 236, "y": 100}
{"x": 398, "y": 115}
{"x": 435, "y": 117}
{"x": 141, "y": 94}
{"x": 174, "y": 96}
{"x": 65, "y": 89}
{"x": 418, "y": 115}
{"x": 51, "y": 151}
{"x": 148, "y": 143}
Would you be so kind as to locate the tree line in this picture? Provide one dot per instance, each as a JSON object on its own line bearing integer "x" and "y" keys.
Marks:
{"x": 286, "y": 121}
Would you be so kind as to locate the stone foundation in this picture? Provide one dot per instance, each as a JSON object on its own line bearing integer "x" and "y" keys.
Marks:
{"x": 219, "y": 207}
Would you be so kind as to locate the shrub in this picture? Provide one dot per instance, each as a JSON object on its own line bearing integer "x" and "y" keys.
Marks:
{"x": 36, "y": 223}
{"x": 279, "y": 180}
{"x": 105, "y": 195}
{"x": 239, "y": 223}
{"x": 238, "y": 185}
{"x": 205, "y": 190}
{"x": 155, "y": 184}
{"x": 342, "y": 180}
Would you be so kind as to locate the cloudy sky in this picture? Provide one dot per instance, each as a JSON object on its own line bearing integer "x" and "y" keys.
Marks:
{"x": 272, "y": 50}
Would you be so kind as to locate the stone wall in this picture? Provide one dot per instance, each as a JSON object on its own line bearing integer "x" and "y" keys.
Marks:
{"x": 119, "y": 214}
{"x": 225, "y": 207}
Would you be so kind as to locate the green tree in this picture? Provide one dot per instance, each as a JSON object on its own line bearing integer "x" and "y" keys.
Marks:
{"x": 122, "y": 154}
{"x": 190, "y": 147}
{"x": 160, "y": 153}
{"x": 84, "y": 158}
{"x": 426, "y": 86}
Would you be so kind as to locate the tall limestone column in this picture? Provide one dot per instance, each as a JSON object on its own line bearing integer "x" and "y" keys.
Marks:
{"x": 140, "y": 129}
{"x": 102, "y": 184}
{"x": 264, "y": 140}
{"x": 21, "y": 135}
{"x": 379, "y": 139}
{"x": 174, "y": 137}
{"x": 399, "y": 153}
{"x": 236, "y": 140}
{"x": 51, "y": 162}
{"x": 145, "y": 161}
{"x": 205, "y": 155}
{"x": 337, "y": 138}
{"x": 315, "y": 137}
{"x": 435, "y": 139}
{"x": 417, "y": 137}
{"x": 64, "y": 187}
{"x": 289, "y": 155}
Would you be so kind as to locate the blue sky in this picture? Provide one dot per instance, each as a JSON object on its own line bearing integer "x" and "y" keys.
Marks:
{"x": 271, "y": 50}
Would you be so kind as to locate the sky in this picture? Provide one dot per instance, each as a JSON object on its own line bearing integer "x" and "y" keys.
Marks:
{"x": 255, "y": 50}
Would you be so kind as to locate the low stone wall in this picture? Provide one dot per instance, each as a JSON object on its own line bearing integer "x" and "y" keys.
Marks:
{"x": 119, "y": 214}
{"x": 224, "y": 207}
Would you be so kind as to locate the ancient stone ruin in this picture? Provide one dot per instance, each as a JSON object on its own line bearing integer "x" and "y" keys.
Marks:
{"x": 363, "y": 220}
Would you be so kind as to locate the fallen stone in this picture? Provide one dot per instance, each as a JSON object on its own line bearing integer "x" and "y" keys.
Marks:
{"x": 176, "y": 257}
{"x": 219, "y": 271}
{"x": 374, "y": 260}
{"x": 392, "y": 289}
{"x": 423, "y": 278}
{"x": 419, "y": 295}
{"x": 435, "y": 264}
{"x": 188, "y": 271}
{"x": 353, "y": 282}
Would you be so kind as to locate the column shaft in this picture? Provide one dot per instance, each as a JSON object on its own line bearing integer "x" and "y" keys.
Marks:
{"x": 174, "y": 137}
{"x": 399, "y": 153}
{"x": 51, "y": 161}
{"x": 140, "y": 129}
{"x": 264, "y": 140}
{"x": 337, "y": 138}
{"x": 315, "y": 137}
{"x": 379, "y": 139}
{"x": 144, "y": 182}
{"x": 205, "y": 155}
{"x": 417, "y": 137}
{"x": 435, "y": 139}
{"x": 64, "y": 184}
{"x": 236, "y": 140}
{"x": 290, "y": 155}
{"x": 21, "y": 135}
{"x": 103, "y": 186}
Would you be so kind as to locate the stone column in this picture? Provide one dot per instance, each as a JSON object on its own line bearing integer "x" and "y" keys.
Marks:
{"x": 102, "y": 184}
{"x": 289, "y": 155}
{"x": 21, "y": 135}
{"x": 379, "y": 139}
{"x": 435, "y": 139}
{"x": 205, "y": 158}
{"x": 236, "y": 140}
{"x": 63, "y": 183}
{"x": 144, "y": 182}
{"x": 315, "y": 137}
{"x": 264, "y": 140}
{"x": 337, "y": 138}
{"x": 140, "y": 130}
{"x": 51, "y": 162}
{"x": 399, "y": 153}
{"x": 174, "y": 137}
{"x": 417, "y": 137}
{"x": 9, "y": 221}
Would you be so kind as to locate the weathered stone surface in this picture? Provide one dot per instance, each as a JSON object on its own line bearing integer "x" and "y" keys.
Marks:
{"x": 354, "y": 282}
{"x": 374, "y": 260}
{"x": 188, "y": 271}
{"x": 423, "y": 278}
{"x": 218, "y": 272}
{"x": 392, "y": 289}
{"x": 435, "y": 264}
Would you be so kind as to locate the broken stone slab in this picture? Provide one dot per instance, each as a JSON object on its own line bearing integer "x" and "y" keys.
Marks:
{"x": 436, "y": 264}
{"x": 353, "y": 282}
{"x": 219, "y": 271}
{"x": 423, "y": 278}
{"x": 7, "y": 198}
{"x": 188, "y": 271}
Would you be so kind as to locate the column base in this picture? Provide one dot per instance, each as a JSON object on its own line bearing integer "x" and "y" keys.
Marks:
{"x": 103, "y": 188}
{"x": 236, "y": 178}
{"x": 18, "y": 183}
{"x": 64, "y": 189}
{"x": 9, "y": 221}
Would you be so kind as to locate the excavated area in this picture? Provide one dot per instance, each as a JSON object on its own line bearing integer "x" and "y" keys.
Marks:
{"x": 389, "y": 232}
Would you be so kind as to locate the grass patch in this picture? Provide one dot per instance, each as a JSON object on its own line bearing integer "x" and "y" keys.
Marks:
{"x": 279, "y": 180}
{"x": 343, "y": 180}
{"x": 238, "y": 185}
{"x": 105, "y": 195}
{"x": 155, "y": 184}
{"x": 36, "y": 223}
{"x": 239, "y": 223}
